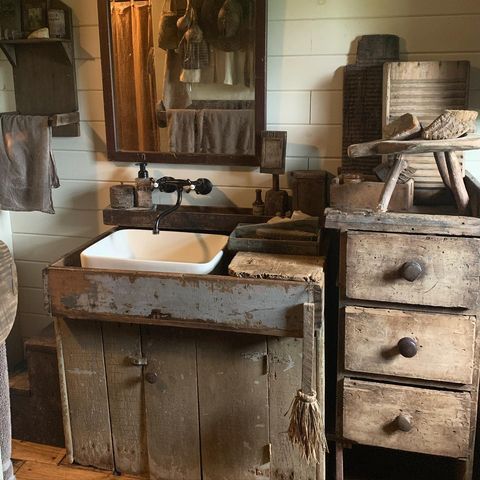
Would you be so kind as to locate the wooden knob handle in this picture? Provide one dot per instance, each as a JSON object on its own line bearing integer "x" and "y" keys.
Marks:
{"x": 411, "y": 271}
{"x": 151, "y": 377}
{"x": 404, "y": 423}
{"x": 407, "y": 347}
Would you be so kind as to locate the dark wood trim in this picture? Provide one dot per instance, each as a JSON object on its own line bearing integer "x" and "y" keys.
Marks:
{"x": 186, "y": 218}
{"x": 117, "y": 155}
{"x": 105, "y": 32}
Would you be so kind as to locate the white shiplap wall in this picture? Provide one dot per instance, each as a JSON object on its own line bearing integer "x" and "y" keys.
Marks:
{"x": 309, "y": 42}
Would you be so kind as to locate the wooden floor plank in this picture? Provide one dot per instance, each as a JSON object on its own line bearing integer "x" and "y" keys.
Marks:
{"x": 16, "y": 465}
{"x": 37, "y": 453}
{"x": 44, "y": 471}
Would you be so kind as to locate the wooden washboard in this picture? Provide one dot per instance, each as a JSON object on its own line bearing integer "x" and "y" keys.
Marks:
{"x": 424, "y": 89}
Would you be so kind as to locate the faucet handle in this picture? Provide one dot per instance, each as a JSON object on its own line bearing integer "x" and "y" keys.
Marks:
{"x": 167, "y": 184}
{"x": 203, "y": 186}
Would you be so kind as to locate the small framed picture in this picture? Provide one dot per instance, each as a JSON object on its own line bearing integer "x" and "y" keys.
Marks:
{"x": 34, "y": 15}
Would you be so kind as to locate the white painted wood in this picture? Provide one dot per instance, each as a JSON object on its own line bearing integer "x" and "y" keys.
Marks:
{"x": 65, "y": 222}
{"x": 89, "y": 74}
{"x": 6, "y": 230}
{"x": 318, "y": 36}
{"x": 326, "y": 108}
{"x": 30, "y": 273}
{"x": 43, "y": 248}
{"x": 31, "y": 300}
{"x": 7, "y": 101}
{"x": 91, "y": 139}
{"x": 322, "y": 163}
{"x": 312, "y": 140}
{"x": 288, "y": 107}
{"x": 87, "y": 42}
{"x": 91, "y": 105}
{"x": 298, "y": 9}
{"x": 317, "y": 72}
{"x": 85, "y": 12}
{"x": 6, "y": 75}
{"x": 31, "y": 324}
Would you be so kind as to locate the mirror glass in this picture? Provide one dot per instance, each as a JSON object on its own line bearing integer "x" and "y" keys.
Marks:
{"x": 183, "y": 76}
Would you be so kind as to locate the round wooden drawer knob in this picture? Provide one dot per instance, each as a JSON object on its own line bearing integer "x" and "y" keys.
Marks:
{"x": 151, "y": 377}
{"x": 404, "y": 423}
{"x": 411, "y": 271}
{"x": 407, "y": 347}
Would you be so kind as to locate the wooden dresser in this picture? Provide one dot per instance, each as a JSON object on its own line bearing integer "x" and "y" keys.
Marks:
{"x": 408, "y": 355}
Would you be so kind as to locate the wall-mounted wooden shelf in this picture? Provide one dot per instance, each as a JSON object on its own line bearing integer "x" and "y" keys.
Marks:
{"x": 44, "y": 77}
{"x": 9, "y": 47}
{"x": 186, "y": 218}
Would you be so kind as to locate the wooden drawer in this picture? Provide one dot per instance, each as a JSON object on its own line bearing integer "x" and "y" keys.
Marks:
{"x": 439, "y": 421}
{"x": 448, "y": 274}
{"x": 444, "y": 344}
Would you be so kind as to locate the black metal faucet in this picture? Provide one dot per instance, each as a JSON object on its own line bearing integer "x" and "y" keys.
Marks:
{"x": 202, "y": 186}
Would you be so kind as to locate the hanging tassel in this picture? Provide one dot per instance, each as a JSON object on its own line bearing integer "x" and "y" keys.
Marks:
{"x": 306, "y": 417}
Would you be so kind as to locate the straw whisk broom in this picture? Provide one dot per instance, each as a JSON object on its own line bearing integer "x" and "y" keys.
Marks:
{"x": 307, "y": 428}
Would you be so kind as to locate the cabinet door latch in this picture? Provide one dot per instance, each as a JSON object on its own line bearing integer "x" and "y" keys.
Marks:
{"x": 138, "y": 361}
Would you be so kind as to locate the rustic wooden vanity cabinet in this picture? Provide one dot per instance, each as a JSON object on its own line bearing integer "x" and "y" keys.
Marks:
{"x": 408, "y": 369}
{"x": 143, "y": 396}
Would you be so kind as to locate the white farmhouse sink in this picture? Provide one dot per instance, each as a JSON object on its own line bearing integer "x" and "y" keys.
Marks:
{"x": 177, "y": 252}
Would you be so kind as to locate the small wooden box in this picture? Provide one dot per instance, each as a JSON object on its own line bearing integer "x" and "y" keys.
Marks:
{"x": 366, "y": 195}
{"x": 310, "y": 191}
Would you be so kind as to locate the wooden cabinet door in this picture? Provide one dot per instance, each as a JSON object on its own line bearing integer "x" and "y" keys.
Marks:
{"x": 180, "y": 404}
{"x": 86, "y": 413}
{"x": 233, "y": 403}
{"x": 171, "y": 403}
{"x": 123, "y": 354}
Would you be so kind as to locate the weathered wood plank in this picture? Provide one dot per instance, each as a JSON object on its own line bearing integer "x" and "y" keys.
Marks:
{"x": 188, "y": 218}
{"x": 122, "y": 343}
{"x": 448, "y": 269}
{"x": 67, "y": 427}
{"x": 171, "y": 403}
{"x": 85, "y": 378}
{"x": 390, "y": 147}
{"x": 233, "y": 392}
{"x": 284, "y": 379}
{"x": 445, "y": 344}
{"x": 429, "y": 224}
{"x": 249, "y": 305}
{"x": 391, "y": 182}
{"x": 41, "y": 471}
{"x": 439, "y": 421}
{"x": 365, "y": 195}
{"x": 278, "y": 267}
{"x": 320, "y": 381}
{"x": 37, "y": 453}
{"x": 456, "y": 183}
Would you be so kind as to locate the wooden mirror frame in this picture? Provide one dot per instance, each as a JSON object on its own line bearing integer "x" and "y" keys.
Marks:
{"x": 117, "y": 155}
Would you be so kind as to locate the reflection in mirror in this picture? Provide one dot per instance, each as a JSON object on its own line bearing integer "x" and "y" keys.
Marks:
{"x": 184, "y": 76}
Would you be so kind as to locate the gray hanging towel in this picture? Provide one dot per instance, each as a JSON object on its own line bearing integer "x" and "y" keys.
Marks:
{"x": 228, "y": 132}
{"x": 27, "y": 168}
{"x": 182, "y": 130}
